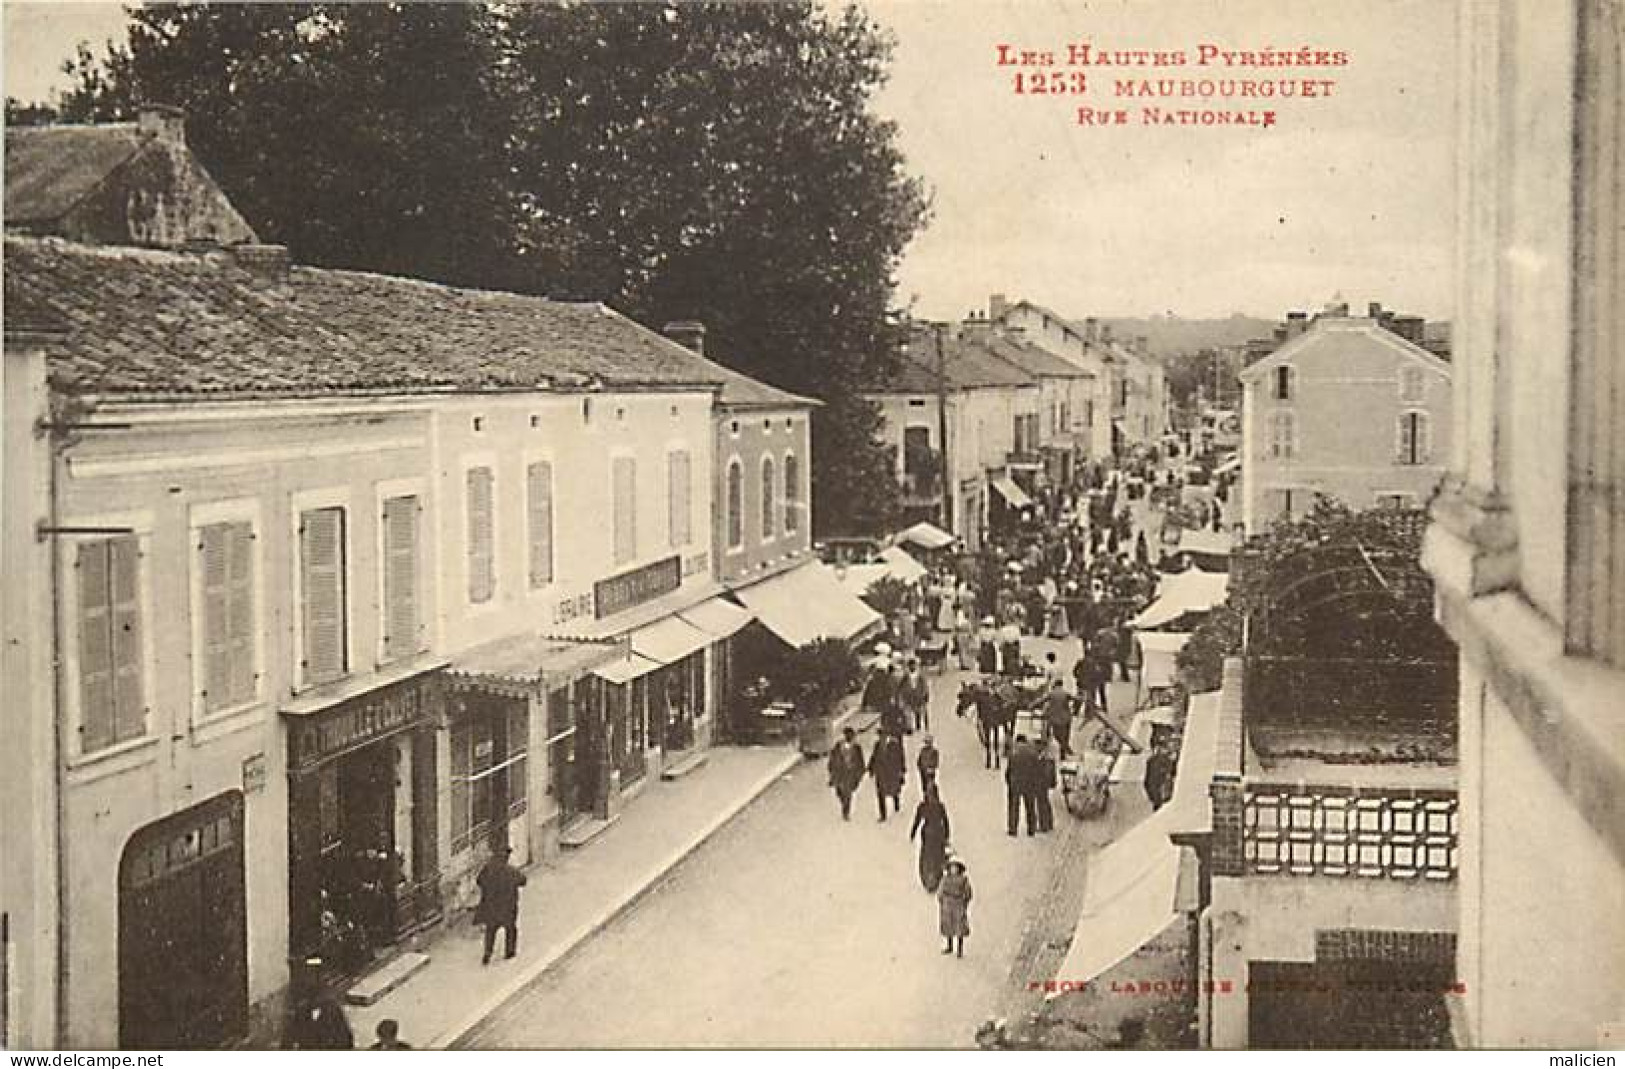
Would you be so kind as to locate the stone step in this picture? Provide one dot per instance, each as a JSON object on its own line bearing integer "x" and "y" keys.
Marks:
{"x": 583, "y": 832}
{"x": 692, "y": 763}
{"x": 386, "y": 978}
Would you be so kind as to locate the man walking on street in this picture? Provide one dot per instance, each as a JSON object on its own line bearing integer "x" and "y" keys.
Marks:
{"x": 1044, "y": 778}
{"x": 917, "y": 696}
{"x": 888, "y": 767}
{"x": 928, "y": 761}
{"x": 1058, "y": 716}
{"x": 499, "y": 884}
{"x": 1019, "y": 778}
{"x": 846, "y": 769}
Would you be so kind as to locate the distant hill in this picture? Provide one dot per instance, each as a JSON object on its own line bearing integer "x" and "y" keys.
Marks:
{"x": 1173, "y": 335}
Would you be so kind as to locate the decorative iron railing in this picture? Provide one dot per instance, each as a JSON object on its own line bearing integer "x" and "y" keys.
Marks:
{"x": 1392, "y": 833}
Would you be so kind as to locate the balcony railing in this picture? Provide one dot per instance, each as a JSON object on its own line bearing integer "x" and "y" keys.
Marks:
{"x": 1393, "y": 833}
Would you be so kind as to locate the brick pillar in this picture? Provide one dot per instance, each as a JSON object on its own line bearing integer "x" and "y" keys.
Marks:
{"x": 1228, "y": 859}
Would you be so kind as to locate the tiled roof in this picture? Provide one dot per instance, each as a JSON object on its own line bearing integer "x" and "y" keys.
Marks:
{"x": 1337, "y": 341}
{"x": 147, "y": 322}
{"x": 741, "y": 391}
{"x": 49, "y": 169}
{"x": 967, "y": 364}
{"x": 1035, "y": 360}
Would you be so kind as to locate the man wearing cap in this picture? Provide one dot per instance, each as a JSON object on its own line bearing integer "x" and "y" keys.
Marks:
{"x": 499, "y": 883}
{"x": 928, "y": 761}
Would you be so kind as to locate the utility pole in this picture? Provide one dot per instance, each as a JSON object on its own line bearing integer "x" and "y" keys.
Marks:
{"x": 937, "y": 333}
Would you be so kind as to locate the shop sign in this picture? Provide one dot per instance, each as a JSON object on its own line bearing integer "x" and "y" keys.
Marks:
{"x": 314, "y": 738}
{"x": 623, "y": 591}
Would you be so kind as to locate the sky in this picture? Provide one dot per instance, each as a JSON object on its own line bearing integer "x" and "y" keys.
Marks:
{"x": 1349, "y": 196}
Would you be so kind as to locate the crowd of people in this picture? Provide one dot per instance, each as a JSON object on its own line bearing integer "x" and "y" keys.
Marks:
{"x": 1073, "y": 567}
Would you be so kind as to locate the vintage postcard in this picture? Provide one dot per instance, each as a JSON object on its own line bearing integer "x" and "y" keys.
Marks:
{"x": 922, "y": 524}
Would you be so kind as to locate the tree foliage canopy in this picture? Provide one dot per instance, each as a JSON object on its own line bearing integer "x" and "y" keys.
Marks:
{"x": 711, "y": 161}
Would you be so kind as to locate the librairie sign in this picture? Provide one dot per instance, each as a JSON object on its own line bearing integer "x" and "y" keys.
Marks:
{"x": 621, "y": 592}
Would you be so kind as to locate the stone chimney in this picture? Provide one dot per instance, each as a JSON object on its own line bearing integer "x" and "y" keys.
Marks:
{"x": 975, "y": 327}
{"x": 997, "y": 306}
{"x": 1374, "y": 310}
{"x": 1091, "y": 330}
{"x": 1280, "y": 335}
{"x": 1296, "y": 323}
{"x": 267, "y": 263}
{"x": 689, "y": 333}
{"x": 163, "y": 122}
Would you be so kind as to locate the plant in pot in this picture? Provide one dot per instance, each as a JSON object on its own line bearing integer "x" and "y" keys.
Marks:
{"x": 815, "y": 678}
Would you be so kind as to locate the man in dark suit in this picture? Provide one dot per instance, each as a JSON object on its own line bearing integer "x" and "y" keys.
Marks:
{"x": 499, "y": 883}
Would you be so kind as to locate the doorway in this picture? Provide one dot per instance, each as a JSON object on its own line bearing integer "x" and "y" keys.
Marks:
{"x": 182, "y": 947}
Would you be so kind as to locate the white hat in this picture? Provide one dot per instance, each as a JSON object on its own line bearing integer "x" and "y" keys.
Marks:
{"x": 882, "y": 648}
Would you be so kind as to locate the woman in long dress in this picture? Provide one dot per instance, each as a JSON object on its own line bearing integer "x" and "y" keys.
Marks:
{"x": 931, "y": 824}
{"x": 953, "y": 907}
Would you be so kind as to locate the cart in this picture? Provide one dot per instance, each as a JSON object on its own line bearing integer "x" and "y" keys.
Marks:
{"x": 933, "y": 655}
{"x": 1086, "y": 783}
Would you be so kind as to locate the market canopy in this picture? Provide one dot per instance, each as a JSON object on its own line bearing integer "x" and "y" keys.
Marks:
{"x": 1160, "y": 650}
{"x": 807, "y": 603}
{"x": 1140, "y": 884}
{"x": 927, "y": 536}
{"x": 1202, "y": 540}
{"x": 1013, "y": 494}
{"x": 901, "y": 566}
{"x": 717, "y": 617}
{"x": 1191, "y": 591}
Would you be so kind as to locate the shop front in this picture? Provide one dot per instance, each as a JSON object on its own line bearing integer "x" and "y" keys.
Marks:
{"x": 363, "y": 857}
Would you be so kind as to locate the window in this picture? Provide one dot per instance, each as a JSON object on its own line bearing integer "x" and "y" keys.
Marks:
{"x": 1413, "y": 438}
{"x": 736, "y": 505}
{"x": 679, "y": 522}
{"x": 624, "y": 484}
{"x": 325, "y": 655}
{"x": 1412, "y": 385}
{"x": 227, "y": 658}
{"x": 1283, "y": 441}
{"x": 539, "y": 521}
{"x": 111, "y": 707}
{"x": 489, "y": 758}
{"x": 1283, "y": 382}
{"x": 769, "y": 501}
{"x": 403, "y": 622}
{"x": 792, "y": 494}
{"x": 1399, "y": 500}
{"x": 482, "y": 578}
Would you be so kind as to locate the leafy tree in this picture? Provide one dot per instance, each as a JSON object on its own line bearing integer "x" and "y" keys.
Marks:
{"x": 714, "y": 161}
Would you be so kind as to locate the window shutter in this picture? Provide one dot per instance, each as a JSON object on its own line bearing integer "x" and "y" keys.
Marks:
{"x": 241, "y": 619}
{"x": 678, "y": 498}
{"x": 96, "y": 717}
{"x": 322, "y": 554}
{"x": 736, "y": 506}
{"x": 1424, "y": 438}
{"x": 768, "y": 505}
{"x": 539, "y": 496}
{"x": 129, "y": 706}
{"x": 624, "y": 485}
{"x": 792, "y": 493}
{"x": 216, "y": 654}
{"x": 481, "y": 570}
{"x": 402, "y": 629}
{"x": 1401, "y": 453}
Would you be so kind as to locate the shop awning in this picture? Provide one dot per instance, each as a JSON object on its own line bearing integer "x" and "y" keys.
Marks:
{"x": 1192, "y": 590}
{"x": 807, "y": 603}
{"x": 1012, "y": 494}
{"x": 901, "y": 566}
{"x": 669, "y": 641}
{"x": 625, "y": 669}
{"x": 1159, "y": 650}
{"x": 858, "y": 578}
{"x": 1202, "y": 540}
{"x": 927, "y": 535}
{"x": 1130, "y": 896}
{"x": 717, "y": 617}
{"x": 516, "y": 664}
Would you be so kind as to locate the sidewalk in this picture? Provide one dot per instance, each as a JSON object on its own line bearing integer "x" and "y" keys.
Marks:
{"x": 572, "y": 896}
